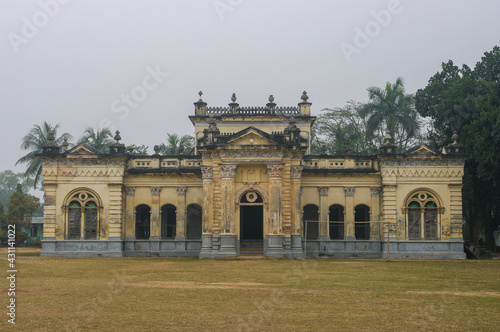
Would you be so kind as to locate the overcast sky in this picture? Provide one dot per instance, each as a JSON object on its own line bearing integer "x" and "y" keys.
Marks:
{"x": 138, "y": 65}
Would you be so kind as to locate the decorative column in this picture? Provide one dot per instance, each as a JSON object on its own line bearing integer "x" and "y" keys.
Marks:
{"x": 389, "y": 210}
{"x": 180, "y": 230}
{"x": 155, "y": 223}
{"x": 296, "y": 198}
{"x": 129, "y": 219}
{"x": 323, "y": 213}
{"x": 228, "y": 172}
{"x": 207, "y": 173}
{"x": 49, "y": 219}
{"x": 375, "y": 214}
{"x": 455, "y": 212}
{"x": 349, "y": 213}
{"x": 274, "y": 238}
{"x": 228, "y": 236}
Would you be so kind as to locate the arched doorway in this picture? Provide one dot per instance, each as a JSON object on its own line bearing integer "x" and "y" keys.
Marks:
{"x": 251, "y": 223}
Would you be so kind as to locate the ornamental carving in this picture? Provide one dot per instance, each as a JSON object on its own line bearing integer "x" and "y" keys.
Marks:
{"x": 227, "y": 171}
{"x": 274, "y": 171}
{"x": 76, "y": 162}
{"x": 181, "y": 191}
{"x": 296, "y": 172}
{"x": 155, "y": 191}
{"x": 349, "y": 191}
{"x": 243, "y": 154}
{"x": 207, "y": 172}
{"x": 422, "y": 163}
{"x": 375, "y": 191}
{"x": 130, "y": 191}
{"x": 323, "y": 191}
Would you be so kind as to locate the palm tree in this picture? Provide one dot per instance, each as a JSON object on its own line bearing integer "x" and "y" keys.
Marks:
{"x": 34, "y": 141}
{"x": 177, "y": 145}
{"x": 100, "y": 140}
{"x": 393, "y": 109}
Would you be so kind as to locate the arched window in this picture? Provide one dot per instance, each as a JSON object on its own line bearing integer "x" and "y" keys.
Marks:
{"x": 362, "y": 222}
{"x": 168, "y": 221}
{"x": 336, "y": 218}
{"x": 311, "y": 224}
{"x": 142, "y": 221}
{"x": 194, "y": 221}
{"x": 422, "y": 205}
{"x": 82, "y": 207}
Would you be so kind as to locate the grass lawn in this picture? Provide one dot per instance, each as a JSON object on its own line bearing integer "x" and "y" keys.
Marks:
{"x": 149, "y": 294}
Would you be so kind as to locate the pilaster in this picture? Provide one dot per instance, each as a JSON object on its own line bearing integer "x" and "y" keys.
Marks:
{"x": 129, "y": 213}
{"x": 155, "y": 231}
{"x": 455, "y": 212}
{"x": 49, "y": 212}
{"x": 228, "y": 172}
{"x": 375, "y": 214}
{"x": 181, "y": 214}
{"x": 323, "y": 213}
{"x": 389, "y": 209}
{"x": 349, "y": 213}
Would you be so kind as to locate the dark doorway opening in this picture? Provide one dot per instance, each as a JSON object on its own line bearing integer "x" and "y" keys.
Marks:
{"x": 251, "y": 222}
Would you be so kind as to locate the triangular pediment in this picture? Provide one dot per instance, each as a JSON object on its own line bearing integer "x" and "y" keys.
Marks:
{"x": 422, "y": 150}
{"x": 82, "y": 150}
{"x": 251, "y": 136}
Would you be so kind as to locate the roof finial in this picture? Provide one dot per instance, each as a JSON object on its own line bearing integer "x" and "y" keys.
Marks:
{"x": 50, "y": 137}
{"x": 271, "y": 99}
{"x": 304, "y": 96}
{"x": 65, "y": 144}
{"x": 200, "y": 94}
{"x": 454, "y": 137}
{"x": 233, "y": 97}
{"x": 117, "y": 137}
{"x": 388, "y": 137}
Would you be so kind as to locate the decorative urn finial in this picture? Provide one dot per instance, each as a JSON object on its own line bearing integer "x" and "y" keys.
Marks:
{"x": 117, "y": 137}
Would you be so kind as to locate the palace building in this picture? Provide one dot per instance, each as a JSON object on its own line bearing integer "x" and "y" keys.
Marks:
{"x": 251, "y": 185}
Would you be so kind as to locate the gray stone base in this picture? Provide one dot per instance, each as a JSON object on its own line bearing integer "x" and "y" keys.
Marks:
{"x": 227, "y": 245}
{"x": 118, "y": 248}
{"x": 425, "y": 249}
{"x": 378, "y": 249}
{"x": 79, "y": 248}
{"x": 221, "y": 245}
{"x": 273, "y": 246}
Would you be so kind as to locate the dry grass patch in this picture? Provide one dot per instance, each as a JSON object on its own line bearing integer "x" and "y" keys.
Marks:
{"x": 113, "y": 294}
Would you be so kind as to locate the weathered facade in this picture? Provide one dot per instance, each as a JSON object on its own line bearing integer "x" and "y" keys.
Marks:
{"x": 251, "y": 185}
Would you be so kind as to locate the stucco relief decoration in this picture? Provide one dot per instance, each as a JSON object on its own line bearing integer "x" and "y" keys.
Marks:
{"x": 445, "y": 231}
{"x": 155, "y": 191}
{"x": 130, "y": 191}
{"x": 375, "y": 191}
{"x": 422, "y": 163}
{"x": 181, "y": 191}
{"x": 456, "y": 228}
{"x": 228, "y": 171}
{"x": 251, "y": 196}
{"x": 349, "y": 191}
{"x": 207, "y": 172}
{"x": 274, "y": 171}
{"x": 296, "y": 172}
{"x": 323, "y": 191}
{"x": 243, "y": 154}
{"x": 78, "y": 162}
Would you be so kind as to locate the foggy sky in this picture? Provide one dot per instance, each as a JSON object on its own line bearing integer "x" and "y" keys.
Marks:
{"x": 76, "y": 62}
